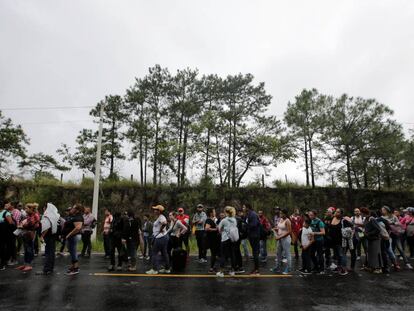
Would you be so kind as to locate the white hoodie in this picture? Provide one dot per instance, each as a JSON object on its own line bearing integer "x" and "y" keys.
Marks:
{"x": 50, "y": 218}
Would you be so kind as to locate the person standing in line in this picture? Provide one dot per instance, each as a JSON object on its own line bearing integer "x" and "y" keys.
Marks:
{"x": 119, "y": 235}
{"x": 132, "y": 239}
{"x": 49, "y": 229}
{"x": 29, "y": 225}
{"x": 283, "y": 246}
{"x": 16, "y": 217}
{"x": 71, "y": 231}
{"x": 6, "y": 222}
{"x": 106, "y": 230}
{"x": 185, "y": 220}
{"x": 199, "y": 220}
{"x": 373, "y": 234}
{"x": 62, "y": 238}
{"x": 253, "y": 231}
{"x": 408, "y": 222}
{"x": 147, "y": 231}
{"x": 226, "y": 227}
{"x": 89, "y": 223}
{"x": 358, "y": 220}
{"x": 318, "y": 232}
{"x": 176, "y": 231}
{"x": 212, "y": 237}
{"x": 160, "y": 236}
{"x": 242, "y": 228}
{"x": 396, "y": 230}
{"x": 306, "y": 240}
{"x": 243, "y": 236}
{"x": 267, "y": 229}
{"x": 297, "y": 222}
{"x": 327, "y": 243}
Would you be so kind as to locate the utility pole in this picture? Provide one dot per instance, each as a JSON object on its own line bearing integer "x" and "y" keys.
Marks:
{"x": 97, "y": 172}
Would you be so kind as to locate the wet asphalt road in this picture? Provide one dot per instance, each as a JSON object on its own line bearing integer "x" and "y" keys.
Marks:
{"x": 86, "y": 291}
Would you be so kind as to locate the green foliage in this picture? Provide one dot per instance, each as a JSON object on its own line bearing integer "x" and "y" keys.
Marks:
{"x": 41, "y": 165}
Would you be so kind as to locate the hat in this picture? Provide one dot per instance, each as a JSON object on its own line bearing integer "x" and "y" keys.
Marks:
{"x": 331, "y": 209}
{"x": 69, "y": 208}
{"x": 180, "y": 210}
{"x": 409, "y": 209}
{"x": 159, "y": 208}
{"x": 200, "y": 206}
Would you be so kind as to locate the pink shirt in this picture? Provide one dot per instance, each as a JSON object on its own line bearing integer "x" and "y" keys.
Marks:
{"x": 107, "y": 224}
{"x": 407, "y": 219}
{"x": 16, "y": 215}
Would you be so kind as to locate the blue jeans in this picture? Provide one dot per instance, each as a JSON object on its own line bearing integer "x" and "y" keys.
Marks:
{"x": 245, "y": 248}
{"x": 72, "y": 243}
{"x": 339, "y": 255}
{"x": 28, "y": 251}
{"x": 283, "y": 251}
{"x": 160, "y": 246}
{"x": 263, "y": 249}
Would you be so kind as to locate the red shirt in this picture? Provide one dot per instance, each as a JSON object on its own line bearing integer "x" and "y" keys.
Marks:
{"x": 32, "y": 222}
{"x": 185, "y": 219}
{"x": 265, "y": 223}
{"x": 297, "y": 223}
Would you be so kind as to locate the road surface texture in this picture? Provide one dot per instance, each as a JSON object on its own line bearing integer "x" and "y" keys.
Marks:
{"x": 94, "y": 289}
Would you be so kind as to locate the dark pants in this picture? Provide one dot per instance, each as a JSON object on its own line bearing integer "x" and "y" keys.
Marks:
{"x": 227, "y": 251}
{"x": 28, "y": 251}
{"x": 50, "y": 249}
{"x": 327, "y": 251}
{"x": 361, "y": 244}
{"x": 214, "y": 245}
{"x": 160, "y": 246}
{"x": 316, "y": 251}
{"x": 116, "y": 245}
{"x": 237, "y": 255}
{"x": 306, "y": 259}
{"x": 173, "y": 243}
{"x": 107, "y": 245}
{"x": 255, "y": 245}
{"x": 87, "y": 243}
{"x": 62, "y": 246}
{"x": 36, "y": 243}
{"x": 3, "y": 249}
{"x": 200, "y": 237}
{"x": 132, "y": 251}
{"x": 147, "y": 245}
{"x": 11, "y": 246}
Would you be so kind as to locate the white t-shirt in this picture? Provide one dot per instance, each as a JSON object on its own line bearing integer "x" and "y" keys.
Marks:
{"x": 161, "y": 220}
{"x": 305, "y": 236}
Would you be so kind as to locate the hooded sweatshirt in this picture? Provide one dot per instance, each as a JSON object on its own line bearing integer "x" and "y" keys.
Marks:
{"x": 50, "y": 218}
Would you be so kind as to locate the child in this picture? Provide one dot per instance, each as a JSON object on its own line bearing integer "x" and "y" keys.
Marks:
{"x": 306, "y": 241}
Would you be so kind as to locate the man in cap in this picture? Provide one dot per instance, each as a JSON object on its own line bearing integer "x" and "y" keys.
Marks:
{"x": 199, "y": 220}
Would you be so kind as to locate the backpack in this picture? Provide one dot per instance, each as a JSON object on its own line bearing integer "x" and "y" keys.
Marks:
{"x": 233, "y": 232}
{"x": 347, "y": 232}
{"x": 372, "y": 230}
{"x": 243, "y": 228}
{"x": 383, "y": 232}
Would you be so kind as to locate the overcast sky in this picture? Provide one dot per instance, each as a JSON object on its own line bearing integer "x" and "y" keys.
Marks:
{"x": 73, "y": 53}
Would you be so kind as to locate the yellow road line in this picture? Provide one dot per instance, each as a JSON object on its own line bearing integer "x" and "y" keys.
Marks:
{"x": 245, "y": 276}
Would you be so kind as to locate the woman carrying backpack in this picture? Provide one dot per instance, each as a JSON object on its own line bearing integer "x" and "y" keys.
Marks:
{"x": 372, "y": 233}
{"x": 6, "y": 221}
{"x": 229, "y": 236}
{"x": 212, "y": 237}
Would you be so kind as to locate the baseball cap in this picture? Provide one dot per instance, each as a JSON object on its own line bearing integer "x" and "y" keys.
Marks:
{"x": 159, "y": 207}
{"x": 200, "y": 206}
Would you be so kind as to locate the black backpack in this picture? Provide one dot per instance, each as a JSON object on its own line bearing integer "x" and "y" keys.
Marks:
{"x": 243, "y": 228}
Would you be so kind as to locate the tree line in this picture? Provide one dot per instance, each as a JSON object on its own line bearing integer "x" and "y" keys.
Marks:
{"x": 175, "y": 124}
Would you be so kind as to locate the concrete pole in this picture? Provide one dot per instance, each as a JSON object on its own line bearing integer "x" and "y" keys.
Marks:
{"x": 97, "y": 172}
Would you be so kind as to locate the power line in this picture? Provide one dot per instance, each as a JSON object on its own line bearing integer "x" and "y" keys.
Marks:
{"x": 46, "y": 108}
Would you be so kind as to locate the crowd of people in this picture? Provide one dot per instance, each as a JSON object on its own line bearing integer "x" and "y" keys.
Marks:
{"x": 378, "y": 241}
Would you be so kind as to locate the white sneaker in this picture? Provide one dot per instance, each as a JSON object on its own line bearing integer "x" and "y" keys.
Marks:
{"x": 333, "y": 266}
{"x": 409, "y": 266}
{"x": 152, "y": 271}
{"x": 232, "y": 273}
{"x": 140, "y": 257}
{"x": 358, "y": 258}
{"x": 220, "y": 274}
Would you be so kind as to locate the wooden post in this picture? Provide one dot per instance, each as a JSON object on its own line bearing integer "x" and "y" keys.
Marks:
{"x": 61, "y": 177}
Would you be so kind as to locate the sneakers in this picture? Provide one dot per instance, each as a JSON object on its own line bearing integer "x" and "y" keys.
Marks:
{"x": 202, "y": 260}
{"x": 148, "y": 258}
{"x": 211, "y": 270}
{"x": 255, "y": 273}
{"x": 220, "y": 274}
{"x": 27, "y": 269}
{"x": 12, "y": 263}
{"x": 73, "y": 271}
{"x": 232, "y": 273}
{"x": 377, "y": 271}
{"x": 141, "y": 257}
{"x": 275, "y": 270}
{"x": 285, "y": 271}
{"x": 343, "y": 272}
{"x": 2, "y": 268}
{"x": 111, "y": 268}
{"x": 358, "y": 258}
{"x": 152, "y": 272}
{"x": 119, "y": 268}
{"x": 240, "y": 271}
{"x": 333, "y": 266}
{"x": 132, "y": 269}
{"x": 165, "y": 271}
{"x": 305, "y": 272}
{"x": 409, "y": 266}
{"x": 20, "y": 268}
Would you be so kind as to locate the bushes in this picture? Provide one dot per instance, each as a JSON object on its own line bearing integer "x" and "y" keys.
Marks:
{"x": 126, "y": 194}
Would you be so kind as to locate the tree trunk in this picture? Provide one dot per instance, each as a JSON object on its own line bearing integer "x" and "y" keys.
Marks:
{"x": 229, "y": 157}
{"x": 306, "y": 162}
{"x": 185, "y": 141}
{"x": 207, "y": 146}
{"x": 145, "y": 161}
{"x": 219, "y": 162}
{"x": 348, "y": 167}
{"x": 311, "y": 163}
{"x": 179, "y": 151}
{"x": 233, "y": 169}
{"x": 154, "y": 181}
